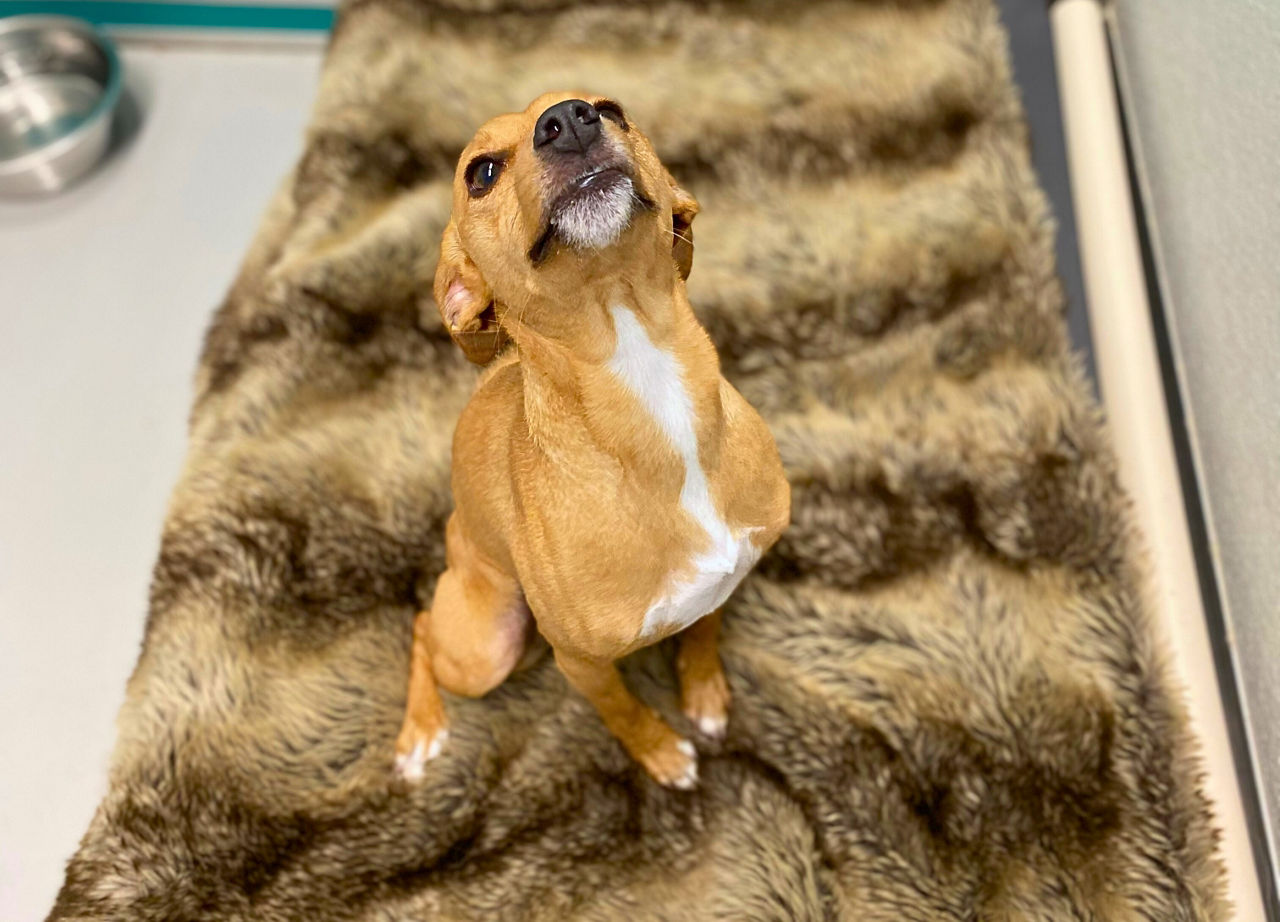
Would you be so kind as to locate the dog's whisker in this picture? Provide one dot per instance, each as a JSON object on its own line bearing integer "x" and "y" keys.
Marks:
{"x": 519, "y": 323}
{"x": 502, "y": 320}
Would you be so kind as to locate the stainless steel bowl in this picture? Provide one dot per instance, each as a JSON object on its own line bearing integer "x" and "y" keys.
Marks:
{"x": 59, "y": 88}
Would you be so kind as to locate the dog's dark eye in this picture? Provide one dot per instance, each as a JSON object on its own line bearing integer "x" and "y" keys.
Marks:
{"x": 482, "y": 173}
{"x": 613, "y": 112}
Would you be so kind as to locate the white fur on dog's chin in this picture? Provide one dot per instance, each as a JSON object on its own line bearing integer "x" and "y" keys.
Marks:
{"x": 597, "y": 219}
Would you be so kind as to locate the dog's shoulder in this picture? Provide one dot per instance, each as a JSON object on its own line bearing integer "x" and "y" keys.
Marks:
{"x": 496, "y": 405}
{"x": 504, "y": 367}
{"x": 500, "y": 383}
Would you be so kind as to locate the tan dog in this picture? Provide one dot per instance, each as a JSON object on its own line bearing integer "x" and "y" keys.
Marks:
{"x": 610, "y": 486}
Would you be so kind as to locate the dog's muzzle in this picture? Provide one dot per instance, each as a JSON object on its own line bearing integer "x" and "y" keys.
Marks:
{"x": 593, "y": 191}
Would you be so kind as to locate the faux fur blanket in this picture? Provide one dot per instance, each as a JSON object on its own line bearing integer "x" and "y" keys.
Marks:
{"x": 948, "y": 703}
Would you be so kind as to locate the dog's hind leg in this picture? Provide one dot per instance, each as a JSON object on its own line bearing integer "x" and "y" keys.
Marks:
{"x": 471, "y": 638}
{"x": 477, "y": 632}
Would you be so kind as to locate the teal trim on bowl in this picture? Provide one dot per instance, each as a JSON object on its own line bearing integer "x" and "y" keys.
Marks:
{"x": 179, "y": 15}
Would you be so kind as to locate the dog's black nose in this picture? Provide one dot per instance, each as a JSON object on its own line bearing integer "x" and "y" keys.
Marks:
{"x": 571, "y": 126}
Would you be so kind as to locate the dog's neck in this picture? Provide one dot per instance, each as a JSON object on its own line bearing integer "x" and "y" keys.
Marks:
{"x": 610, "y": 350}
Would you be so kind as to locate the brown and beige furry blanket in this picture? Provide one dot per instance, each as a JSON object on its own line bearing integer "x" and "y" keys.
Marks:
{"x": 948, "y": 703}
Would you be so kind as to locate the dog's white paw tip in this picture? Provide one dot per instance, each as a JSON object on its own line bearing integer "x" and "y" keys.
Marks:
{"x": 689, "y": 779}
{"x": 411, "y": 765}
{"x": 686, "y": 748}
{"x": 713, "y": 727}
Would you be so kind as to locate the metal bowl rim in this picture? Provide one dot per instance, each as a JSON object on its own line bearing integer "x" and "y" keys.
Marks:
{"x": 106, "y": 103}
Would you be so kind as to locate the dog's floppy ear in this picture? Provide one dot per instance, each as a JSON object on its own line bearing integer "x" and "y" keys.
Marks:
{"x": 465, "y": 301}
{"x": 684, "y": 208}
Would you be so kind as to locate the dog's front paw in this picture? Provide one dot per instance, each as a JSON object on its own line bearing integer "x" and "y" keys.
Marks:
{"x": 706, "y": 703}
{"x": 415, "y": 748}
{"x": 674, "y": 764}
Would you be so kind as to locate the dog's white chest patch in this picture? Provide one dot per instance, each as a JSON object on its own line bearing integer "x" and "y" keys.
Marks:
{"x": 656, "y": 379}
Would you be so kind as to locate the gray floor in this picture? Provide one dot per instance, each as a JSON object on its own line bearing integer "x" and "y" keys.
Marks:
{"x": 107, "y": 290}
{"x": 106, "y": 293}
{"x": 1200, "y": 90}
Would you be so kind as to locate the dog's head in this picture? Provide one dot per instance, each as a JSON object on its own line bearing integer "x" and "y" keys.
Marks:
{"x": 547, "y": 200}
